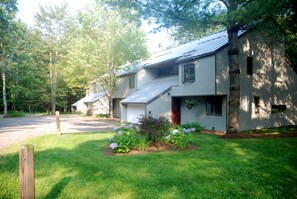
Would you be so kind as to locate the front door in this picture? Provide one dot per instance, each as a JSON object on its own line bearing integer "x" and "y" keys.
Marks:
{"x": 175, "y": 107}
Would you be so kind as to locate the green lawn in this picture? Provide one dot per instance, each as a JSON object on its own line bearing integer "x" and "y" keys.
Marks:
{"x": 73, "y": 166}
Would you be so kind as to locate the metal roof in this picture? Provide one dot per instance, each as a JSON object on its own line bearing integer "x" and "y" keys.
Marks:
{"x": 195, "y": 49}
{"x": 151, "y": 91}
{"x": 89, "y": 99}
{"x": 199, "y": 48}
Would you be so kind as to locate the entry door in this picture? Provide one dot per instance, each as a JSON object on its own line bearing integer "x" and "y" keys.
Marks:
{"x": 175, "y": 107}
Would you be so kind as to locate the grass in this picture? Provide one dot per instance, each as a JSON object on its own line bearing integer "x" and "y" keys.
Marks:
{"x": 73, "y": 166}
{"x": 273, "y": 130}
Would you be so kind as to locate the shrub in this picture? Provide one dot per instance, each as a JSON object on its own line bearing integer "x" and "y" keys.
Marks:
{"x": 193, "y": 125}
{"x": 153, "y": 128}
{"x": 16, "y": 114}
{"x": 180, "y": 137}
{"x": 124, "y": 139}
{"x": 141, "y": 143}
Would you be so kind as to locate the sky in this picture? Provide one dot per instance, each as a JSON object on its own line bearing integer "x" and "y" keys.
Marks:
{"x": 27, "y": 8}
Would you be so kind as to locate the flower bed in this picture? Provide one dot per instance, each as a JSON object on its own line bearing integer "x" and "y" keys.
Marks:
{"x": 152, "y": 134}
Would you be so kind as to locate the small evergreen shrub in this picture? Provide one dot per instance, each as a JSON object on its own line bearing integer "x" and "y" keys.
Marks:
{"x": 153, "y": 128}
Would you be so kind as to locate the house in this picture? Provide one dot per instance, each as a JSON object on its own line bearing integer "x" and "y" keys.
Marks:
{"x": 190, "y": 83}
{"x": 95, "y": 102}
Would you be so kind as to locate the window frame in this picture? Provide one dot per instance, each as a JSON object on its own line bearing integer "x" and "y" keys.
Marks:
{"x": 249, "y": 65}
{"x": 132, "y": 83}
{"x": 257, "y": 104}
{"x": 215, "y": 103}
{"x": 188, "y": 73}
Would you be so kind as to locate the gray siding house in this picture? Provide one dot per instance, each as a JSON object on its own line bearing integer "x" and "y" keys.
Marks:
{"x": 190, "y": 83}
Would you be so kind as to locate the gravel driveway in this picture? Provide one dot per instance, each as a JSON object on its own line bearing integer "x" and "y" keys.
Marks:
{"x": 14, "y": 130}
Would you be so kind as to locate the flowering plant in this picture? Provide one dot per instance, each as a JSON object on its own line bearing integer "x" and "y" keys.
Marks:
{"x": 180, "y": 137}
{"x": 124, "y": 138}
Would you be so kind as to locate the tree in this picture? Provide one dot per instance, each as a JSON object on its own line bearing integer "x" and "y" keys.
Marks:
{"x": 7, "y": 13}
{"x": 53, "y": 23}
{"x": 191, "y": 15}
{"x": 102, "y": 41}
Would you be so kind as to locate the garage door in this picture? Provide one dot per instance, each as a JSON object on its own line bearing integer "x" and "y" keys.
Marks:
{"x": 134, "y": 111}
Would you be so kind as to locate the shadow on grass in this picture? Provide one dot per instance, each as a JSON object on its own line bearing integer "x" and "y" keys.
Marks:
{"x": 219, "y": 169}
{"x": 58, "y": 188}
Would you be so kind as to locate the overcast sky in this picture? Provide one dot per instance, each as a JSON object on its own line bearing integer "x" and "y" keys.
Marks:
{"x": 27, "y": 8}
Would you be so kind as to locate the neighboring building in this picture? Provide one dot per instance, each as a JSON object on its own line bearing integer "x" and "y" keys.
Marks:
{"x": 190, "y": 83}
{"x": 95, "y": 102}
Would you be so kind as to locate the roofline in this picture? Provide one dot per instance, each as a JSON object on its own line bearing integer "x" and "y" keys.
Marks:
{"x": 211, "y": 53}
{"x": 151, "y": 100}
{"x": 162, "y": 62}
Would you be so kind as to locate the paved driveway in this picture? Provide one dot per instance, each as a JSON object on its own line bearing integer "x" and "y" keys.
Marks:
{"x": 14, "y": 130}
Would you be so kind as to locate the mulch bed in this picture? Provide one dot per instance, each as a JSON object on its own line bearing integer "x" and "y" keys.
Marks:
{"x": 150, "y": 149}
{"x": 259, "y": 135}
{"x": 242, "y": 135}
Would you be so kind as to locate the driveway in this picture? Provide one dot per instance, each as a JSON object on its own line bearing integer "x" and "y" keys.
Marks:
{"x": 14, "y": 130}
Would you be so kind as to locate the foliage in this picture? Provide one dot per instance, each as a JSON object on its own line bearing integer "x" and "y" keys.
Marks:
{"x": 101, "y": 115}
{"x": 180, "y": 137}
{"x": 16, "y": 114}
{"x": 141, "y": 143}
{"x": 73, "y": 166}
{"x": 153, "y": 128}
{"x": 193, "y": 125}
{"x": 124, "y": 139}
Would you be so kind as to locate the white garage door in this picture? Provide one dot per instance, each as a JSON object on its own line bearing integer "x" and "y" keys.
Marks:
{"x": 134, "y": 111}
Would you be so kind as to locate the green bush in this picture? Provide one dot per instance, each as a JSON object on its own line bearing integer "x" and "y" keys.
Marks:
{"x": 153, "y": 128}
{"x": 124, "y": 139}
{"x": 16, "y": 114}
{"x": 192, "y": 125}
{"x": 141, "y": 142}
{"x": 180, "y": 137}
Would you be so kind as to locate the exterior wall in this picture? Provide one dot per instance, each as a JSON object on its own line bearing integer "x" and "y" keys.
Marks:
{"x": 272, "y": 80}
{"x": 117, "y": 107}
{"x": 122, "y": 88}
{"x": 198, "y": 114}
{"x": 101, "y": 106}
{"x": 123, "y": 112}
{"x": 134, "y": 111}
{"x": 204, "y": 79}
{"x": 82, "y": 108}
{"x": 160, "y": 106}
{"x": 144, "y": 76}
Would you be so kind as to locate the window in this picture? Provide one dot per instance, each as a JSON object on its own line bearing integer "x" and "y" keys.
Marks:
{"x": 214, "y": 105}
{"x": 188, "y": 73}
{"x": 257, "y": 104}
{"x": 278, "y": 109}
{"x": 249, "y": 65}
{"x": 132, "y": 81}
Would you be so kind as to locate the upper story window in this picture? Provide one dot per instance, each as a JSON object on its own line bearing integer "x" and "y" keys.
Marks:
{"x": 168, "y": 70}
{"x": 249, "y": 65}
{"x": 188, "y": 73}
{"x": 132, "y": 81}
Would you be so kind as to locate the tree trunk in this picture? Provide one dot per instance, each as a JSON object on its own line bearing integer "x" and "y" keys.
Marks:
{"x": 234, "y": 78}
{"x": 4, "y": 87}
{"x": 111, "y": 107}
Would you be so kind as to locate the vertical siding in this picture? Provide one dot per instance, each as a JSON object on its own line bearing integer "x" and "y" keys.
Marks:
{"x": 272, "y": 80}
{"x": 198, "y": 114}
{"x": 161, "y": 106}
{"x": 204, "y": 79}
